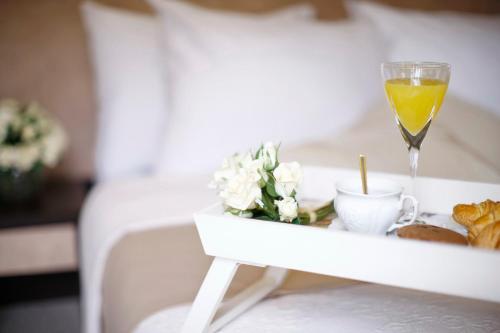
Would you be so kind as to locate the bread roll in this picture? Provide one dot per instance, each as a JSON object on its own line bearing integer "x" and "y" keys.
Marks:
{"x": 431, "y": 233}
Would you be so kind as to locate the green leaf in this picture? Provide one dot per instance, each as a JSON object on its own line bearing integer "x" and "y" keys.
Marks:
{"x": 263, "y": 218}
{"x": 269, "y": 206}
{"x": 270, "y": 188}
{"x": 233, "y": 211}
{"x": 277, "y": 155}
{"x": 266, "y": 199}
{"x": 257, "y": 153}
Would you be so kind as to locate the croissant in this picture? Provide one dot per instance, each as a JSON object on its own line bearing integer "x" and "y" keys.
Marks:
{"x": 489, "y": 237}
{"x": 466, "y": 215}
{"x": 480, "y": 224}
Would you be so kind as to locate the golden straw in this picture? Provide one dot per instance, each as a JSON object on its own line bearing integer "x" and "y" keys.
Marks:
{"x": 362, "y": 167}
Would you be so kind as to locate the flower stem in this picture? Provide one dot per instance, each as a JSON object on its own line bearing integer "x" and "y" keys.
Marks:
{"x": 307, "y": 216}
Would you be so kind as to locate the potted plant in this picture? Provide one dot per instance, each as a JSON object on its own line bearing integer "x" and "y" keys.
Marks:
{"x": 30, "y": 141}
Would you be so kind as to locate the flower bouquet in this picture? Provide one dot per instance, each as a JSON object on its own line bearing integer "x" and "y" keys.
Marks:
{"x": 257, "y": 185}
{"x": 30, "y": 140}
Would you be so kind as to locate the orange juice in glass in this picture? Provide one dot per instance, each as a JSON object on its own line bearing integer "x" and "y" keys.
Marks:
{"x": 415, "y": 91}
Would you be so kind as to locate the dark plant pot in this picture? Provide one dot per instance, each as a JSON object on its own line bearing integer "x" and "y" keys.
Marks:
{"x": 19, "y": 187}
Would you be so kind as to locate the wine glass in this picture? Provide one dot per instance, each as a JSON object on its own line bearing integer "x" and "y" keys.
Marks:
{"x": 415, "y": 91}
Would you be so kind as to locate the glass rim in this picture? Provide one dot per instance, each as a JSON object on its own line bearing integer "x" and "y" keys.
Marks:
{"x": 413, "y": 64}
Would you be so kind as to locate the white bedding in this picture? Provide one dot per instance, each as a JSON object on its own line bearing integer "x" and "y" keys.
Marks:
{"x": 131, "y": 88}
{"x": 361, "y": 309}
{"x": 115, "y": 209}
{"x": 233, "y": 85}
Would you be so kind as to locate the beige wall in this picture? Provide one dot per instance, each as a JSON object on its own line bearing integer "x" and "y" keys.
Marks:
{"x": 43, "y": 57}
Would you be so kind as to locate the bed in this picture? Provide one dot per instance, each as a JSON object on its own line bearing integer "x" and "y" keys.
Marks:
{"x": 156, "y": 261}
{"x": 140, "y": 250}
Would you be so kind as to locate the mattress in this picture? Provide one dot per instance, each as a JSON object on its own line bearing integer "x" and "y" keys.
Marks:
{"x": 140, "y": 251}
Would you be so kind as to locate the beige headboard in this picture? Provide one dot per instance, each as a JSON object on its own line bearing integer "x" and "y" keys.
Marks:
{"x": 43, "y": 57}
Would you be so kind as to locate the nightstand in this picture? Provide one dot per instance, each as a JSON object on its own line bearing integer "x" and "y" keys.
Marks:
{"x": 41, "y": 237}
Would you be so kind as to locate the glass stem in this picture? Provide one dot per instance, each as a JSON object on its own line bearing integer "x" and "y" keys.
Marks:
{"x": 413, "y": 153}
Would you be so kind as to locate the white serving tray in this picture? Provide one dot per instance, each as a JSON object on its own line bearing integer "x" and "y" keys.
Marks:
{"x": 435, "y": 267}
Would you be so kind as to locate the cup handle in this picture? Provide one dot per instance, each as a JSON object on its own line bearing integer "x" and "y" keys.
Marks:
{"x": 414, "y": 204}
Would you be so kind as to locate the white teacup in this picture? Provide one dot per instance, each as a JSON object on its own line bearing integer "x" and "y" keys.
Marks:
{"x": 374, "y": 212}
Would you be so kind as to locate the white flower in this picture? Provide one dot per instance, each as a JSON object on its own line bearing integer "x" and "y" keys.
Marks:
{"x": 22, "y": 157}
{"x": 242, "y": 190}
{"x": 269, "y": 156}
{"x": 232, "y": 166}
{"x": 53, "y": 145}
{"x": 9, "y": 106}
{"x": 253, "y": 167}
{"x": 28, "y": 133}
{"x": 287, "y": 208}
{"x": 37, "y": 137}
{"x": 34, "y": 109}
{"x": 8, "y": 114}
{"x": 288, "y": 177}
{"x": 4, "y": 125}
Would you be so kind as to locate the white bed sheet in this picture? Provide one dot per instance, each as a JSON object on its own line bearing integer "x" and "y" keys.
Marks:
{"x": 362, "y": 309}
{"x": 115, "y": 209}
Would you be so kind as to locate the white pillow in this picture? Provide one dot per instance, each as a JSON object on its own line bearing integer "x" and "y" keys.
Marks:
{"x": 131, "y": 93}
{"x": 236, "y": 82}
{"x": 470, "y": 43}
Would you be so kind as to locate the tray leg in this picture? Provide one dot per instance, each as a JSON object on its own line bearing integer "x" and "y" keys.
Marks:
{"x": 210, "y": 295}
{"x": 214, "y": 287}
{"x": 232, "y": 308}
